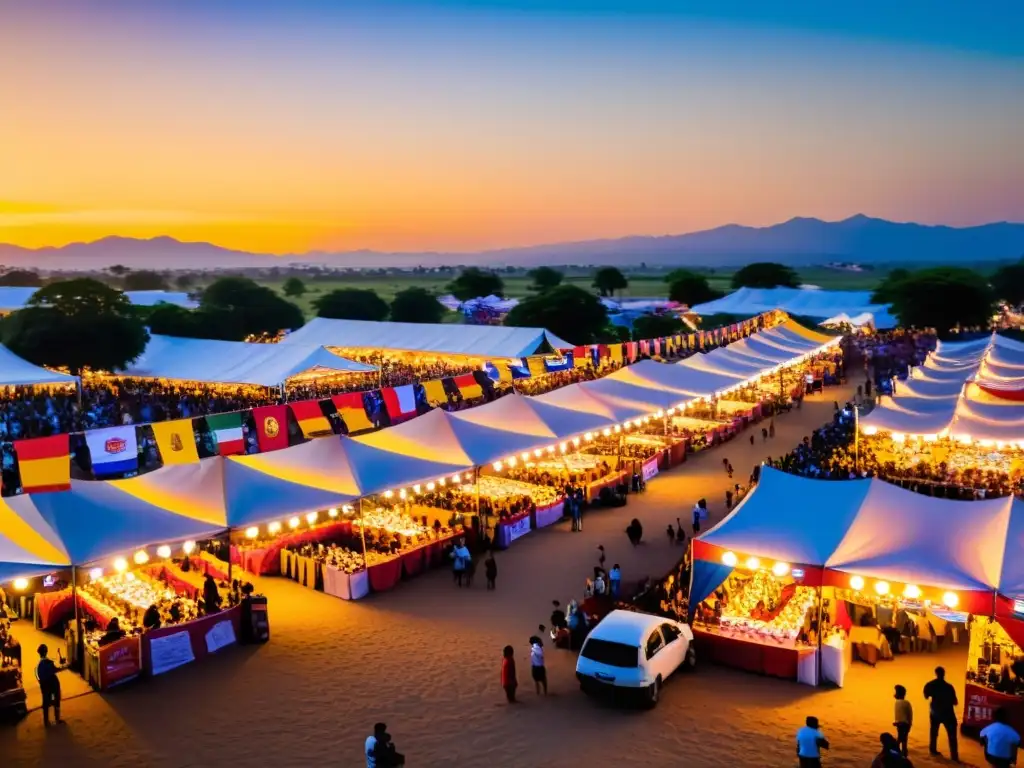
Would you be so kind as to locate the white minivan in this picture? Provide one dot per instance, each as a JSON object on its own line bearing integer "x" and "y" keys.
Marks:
{"x": 634, "y": 654}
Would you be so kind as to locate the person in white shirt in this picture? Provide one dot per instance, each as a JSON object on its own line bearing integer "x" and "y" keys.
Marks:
{"x": 537, "y": 669}
{"x": 1000, "y": 741}
{"x": 809, "y": 743}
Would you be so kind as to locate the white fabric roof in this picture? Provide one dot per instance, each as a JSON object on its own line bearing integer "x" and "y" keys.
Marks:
{"x": 234, "y": 362}
{"x": 13, "y": 298}
{"x": 954, "y": 393}
{"x": 473, "y": 340}
{"x": 801, "y": 301}
{"x": 18, "y": 372}
{"x": 878, "y": 530}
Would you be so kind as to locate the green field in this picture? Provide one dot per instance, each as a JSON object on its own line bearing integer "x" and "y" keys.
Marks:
{"x": 648, "y": 283}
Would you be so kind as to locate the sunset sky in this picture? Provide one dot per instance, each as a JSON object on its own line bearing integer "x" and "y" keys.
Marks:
{"x": 418, "y": 125}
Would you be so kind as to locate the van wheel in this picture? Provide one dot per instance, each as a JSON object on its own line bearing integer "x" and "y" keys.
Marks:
{"x": 690, "y": 663}
{"x": 654, "y": 693}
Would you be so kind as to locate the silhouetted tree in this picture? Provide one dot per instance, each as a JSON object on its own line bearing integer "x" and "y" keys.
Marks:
{"x": 765, "y": 274}
{"x": 474, "y": 283}
{"x": 21, "y": 278}
{"x": 567, "y": 311}
{"x": 293, "y": 287}
{"x": 145, "y": 280}
{"x": 416, "y": 305}
{"x": 608, "y": 280}
{"x": 943, "y": 298}
{"x": 690, "y": 288}
{"x": 351, "y": 304}
{"x": 1008, "y": 283}
{"x": 544, "y": 279}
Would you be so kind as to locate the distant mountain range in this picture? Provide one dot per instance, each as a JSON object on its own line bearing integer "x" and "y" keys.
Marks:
{"x": 797, "y": 242}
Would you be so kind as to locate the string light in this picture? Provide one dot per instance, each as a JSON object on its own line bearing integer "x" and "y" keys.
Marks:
{"x": 780, "y": 569}
{"x": 857, "y": 582}
{"x": 456, "y": 478}
{"x": 753, "y": 563}
{"x": 388, "y": 494}
{"x": 332, "y": 512}
{"x": 189, "y": 547}
{"x": 163, "y": 551}
{"x": 293, "y": 523}
{"x": 882, "y": 587}
{"x": 431, "y": 486}
{"x": 402, "y": 494}
{"x": 497, "y": 466}
{"x": 141, "y": 557}
{"x": 311, "y": 517}
{"x": 120, "y": 565}
{"x": 730, "y": 559}
{"x": 95, "y": 573}
{"x": 274, "y": 527}
{"x": 416, "y": 489}
{"x": 21, "y": 584}
{"x": 911, "y": 592}
{"x": 442, "y": 482}
{"x": 252, "y": 532}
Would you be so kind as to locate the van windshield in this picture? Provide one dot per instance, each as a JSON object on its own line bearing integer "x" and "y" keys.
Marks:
{"x": 612, "y": 654}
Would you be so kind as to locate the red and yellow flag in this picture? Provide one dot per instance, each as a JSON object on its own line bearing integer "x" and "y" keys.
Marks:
{"x": 271, "y": 427}
{"x": 435, "y": 392}
{"x": 353, "y": 413}
{"x": 468, "y": 386}
{"x": 45, "y": 463}
{"x": 176, "y": 441}
{"x": 311, "y": 418}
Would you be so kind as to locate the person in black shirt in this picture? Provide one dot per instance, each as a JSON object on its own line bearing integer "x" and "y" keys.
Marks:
{"x": 151, "y": 619}
{"x": 211, "y": 595}
{"x": 942, "y": 712}
{"x": 49, "y": 685}
{"x": 113, "y": 633}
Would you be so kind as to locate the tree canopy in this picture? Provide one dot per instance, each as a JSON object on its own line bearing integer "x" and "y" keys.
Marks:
{"x": 77, "y": 324}
{"x": 943, "y": 298}
{"x": 1008, "y": 283}
{"x": 608, "y": 280}
{"x": 293, "y": 287}
{"x": 145, "y": 280}
{"x": 416, "y": 305}
{"x": 237, "y": 307}
{"x": 567, "y": 311}
{"x": 544, "y": 279}
{"x": 765, "y": 274}
{"x": 351, "y": 304}
{"x": 653, "y": 326}
{"x": 21, "y": 278}
{"x": 184, "y": 281}
{"x": 889, "y": 287}
{"x": 689, "y": 288}
{"x": 474, "y": 282}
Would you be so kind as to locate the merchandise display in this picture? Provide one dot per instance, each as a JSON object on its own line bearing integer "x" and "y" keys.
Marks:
{"x": 760, "y": 605}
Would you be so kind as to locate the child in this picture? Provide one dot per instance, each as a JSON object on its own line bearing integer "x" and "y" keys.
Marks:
{"x": 904, "y": 718}
{"x": 490, "y": 570}
{"x": 537, "y": 668}
{"x": 508, "y": 674}
{"x": 671, "y": 534}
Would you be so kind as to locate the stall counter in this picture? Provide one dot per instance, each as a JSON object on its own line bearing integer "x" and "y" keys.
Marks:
{"x": 798, "y": 663}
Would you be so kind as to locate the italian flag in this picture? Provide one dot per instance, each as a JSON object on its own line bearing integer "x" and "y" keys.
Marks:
{"x": 227, "y": 427}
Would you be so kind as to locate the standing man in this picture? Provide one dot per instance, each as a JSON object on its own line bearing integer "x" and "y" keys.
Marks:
{"x": 49, "y": 685}
{"x": 1000, "y": 741}
{"x": 942, "y": 712}
{"x": 809, "y": 743}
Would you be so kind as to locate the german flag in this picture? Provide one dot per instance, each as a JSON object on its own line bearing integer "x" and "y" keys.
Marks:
{"x": 468, "y": 386}
{"x": 435, "y": 392}
{"x": 45, "y": 463}
{"x": 311, "y": 418}
{"x": 352, "y": 411}
{"x": 580, "y": 357}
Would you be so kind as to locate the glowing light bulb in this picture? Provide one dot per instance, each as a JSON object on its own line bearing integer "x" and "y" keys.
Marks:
{"x": 274, "y": 527}
{"x": 950, "y": 599}
{"x": 606, "y": 432}
{"x": 293, "y": 523}
{"x": 857, "y": 582}
{"x": 416, "y": 489}
{"x": 442, "y": 482}
{"x": 141, "y": 557}
{"x": 882, "y": 587}
{"x": 730, "y": 559}
{"x": 537, "y": 453}
{"x": 120, "y": 565}
{"x": 95, "y": 573}
{"x": 332, "y": 512}
{"x": 497, "y": 466}
{"x": 456, "y": 478}
{"x": 388, "y": 494}
{"x": 753, "y": 563}
{"x": 20, "y": 585}
{"x": 780, "y": 569}
{"x": 576, "y": 442}
{"x": 525, "y": 455}
{"x": 311, "y": 517}
{"x": 431, "y": 486}
{"x": 588, "y": 436}
{"x": 511, "y": 461}
{"x": 911, "y": 592}
{"x": 563, "y": 447}
{"x": 163, "y": 551}
{"x": 252, "y": 532}
{"x": 189, "y": 547}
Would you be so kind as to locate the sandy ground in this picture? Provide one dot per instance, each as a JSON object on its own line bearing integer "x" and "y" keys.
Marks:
{"x": 425, "y": 659}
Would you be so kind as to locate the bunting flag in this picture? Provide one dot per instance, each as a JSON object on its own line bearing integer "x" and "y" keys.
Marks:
{"x": 227, "y": 429}
{"x": 311, "y": 418}
{"x": 468, "y": 386}
{"x": 536, "y": 367}
{"x": 552, "y": 365}
{"x": 657, "y": 346}
{"x": 617, "y": 354}
{"x": 176, "y": 441}
{"x": 580, "y": 357}
{"x": 271, "y": 427}
{"x": 631, "y": 348}
{"x": 114, "y": 450}
{"x": 352, "y": 411}
{"x": 45, "y": 463}
{"x": 436, "y": 394}
{"x": 400, "y": 402}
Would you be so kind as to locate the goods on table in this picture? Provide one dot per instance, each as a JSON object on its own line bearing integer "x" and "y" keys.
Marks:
{"x": 508, "y": 489}
{"x": 762, "y": 606}
{"x": 995, "y": 661}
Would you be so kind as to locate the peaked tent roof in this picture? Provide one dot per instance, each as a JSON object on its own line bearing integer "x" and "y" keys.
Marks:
{"x": 98, "y": 519}
{"x": 575, "y": 398}
{"x": 235, "y": 362}
{"x": 530, "y": 422}
{"x": 18, "y": 372}
{"x": 28, "y": 544}
{"x": 879, "y": 530}
{"x": 472, "y": 340}
{"x": 811, "y": 302}
{"x": 193, "y": 490}
{"x": 685, "y": 383}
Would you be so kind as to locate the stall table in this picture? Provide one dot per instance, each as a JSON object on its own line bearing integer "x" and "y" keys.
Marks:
{"x": 508, "y": 530}
{"x": 980, "y": 702}
{"x": 549, "y": 515}
{"x": 788, "y": 662}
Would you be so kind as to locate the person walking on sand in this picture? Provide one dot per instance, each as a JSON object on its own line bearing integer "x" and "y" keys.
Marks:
{"x": 490, "y": 570}
{"x": 1001, "y": 741}
{"x": 771, "y": 428}
{"x": 903, "y": 720}
{"x": 809, "y": 743}
{"x": 680, "y": 533}
{"x": 508, "y": 674}
{"x": 615, "y": 581}
{"x": 942, "y": 712}
{"x": 671, "y": 534}
{"x": 460, "y": 561}
{"x": 49, "y": 685}
{"x": 600, "y": 555}
{"x": 764, "y": 435}
{"x": 537, "y": 669}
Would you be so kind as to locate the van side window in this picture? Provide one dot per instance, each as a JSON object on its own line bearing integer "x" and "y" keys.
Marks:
{"x": 671, "y": 633}
{"x": 654, "y": 644}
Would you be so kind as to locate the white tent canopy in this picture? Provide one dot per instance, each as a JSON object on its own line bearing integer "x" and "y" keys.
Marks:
{"x": 18, "y": 372}
{"x": 802, "y": 301}
{"x": 485, "y": 341}
{"x": 235, "y": 362}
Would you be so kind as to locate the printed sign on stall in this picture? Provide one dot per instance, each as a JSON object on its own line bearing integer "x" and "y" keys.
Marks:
{"x": 120, "y": 662}
{"x": 170, "y": 651}
{"x": 650, "y": 468}
{"x": 519, "y": 528}
{"x": 221, "y": 634}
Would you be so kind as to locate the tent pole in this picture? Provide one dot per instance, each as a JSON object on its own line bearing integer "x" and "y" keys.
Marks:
{"x": 227, "y": 537}
{"x": 818, "y": 680}
{"x": 856, "y": 439}
{"x": 362, "y": 534}
{"x": 79, "y": 640}
{"x": 479, "y": 514}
